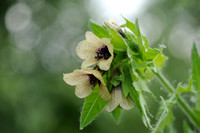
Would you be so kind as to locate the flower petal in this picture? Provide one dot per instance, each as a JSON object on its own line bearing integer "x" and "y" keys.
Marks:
{"x": 90, "y": 37}
{"x": 105, "y": 64}
{"x": 83, "y": 90}
{"x": 86, "y": 49}
{"x": 96, "y": 73}
{"x": 103, "y": 91}
{"x": 88, "y": 62}
{"x": 127, "y": 103}
{"x": 112, "y": 24}
{"x": 74, "y": 78}
{"x": 105, "y": 41}
{"x": 115, "y": 100}
{"x": 109, "y": 45}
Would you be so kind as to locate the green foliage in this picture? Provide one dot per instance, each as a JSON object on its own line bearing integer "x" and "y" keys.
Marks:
{"x": 159, "y": 61}
{"x": 187, "y": 128}
{"x": 33, "y": 97}
{"x": 143, "y": 105}
{"x": 131, "y": 26}
{"x": 135, "y": 93}
{"x": 117, "y": 40}
{"x": 150, "y": 54}
{"x": 139, "y": 66}
{"x": 181, "y": 89}
{"x": 165, "y": 115}
{"x": 117, "y": 114}
{"x": 92, "y": 107}
{"x": 133, "y": 65}
{"x": 196, "y": 74}
{"x": 126, "y": 80}
{"x": 136, "y": 31}
{"x": 99, "y": 31}
{"x": 145, "y": 55}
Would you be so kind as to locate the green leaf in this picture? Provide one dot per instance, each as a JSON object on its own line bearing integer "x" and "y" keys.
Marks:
{"x": 150, "y": 54}
{"x": 187, "y": 128}
{"x": 181, "y": 89}
{"x": 159, "y": 61}
{"x": 143, "y": 105}
{"x": 138, "y": 63}
{"x": 131, "y": 41}
{"x": 99, "y": 31}
{"x": 196, "y": 74}
{"x": 165, "y": 115}
{"x": 130, "y": 77}
{"x": 117, "y": 40}
{"x": 147, "y": 54}
{"x": 117, "y": 114}
{"x": 131, "y": 26}
{"x": 149, "y": 73}
{"x": 171, "y": 129}
{"x": 146, "y": 44}
{"x": 115, "y": 80}
{"x": 136, "y": 31}
{"x": 197, "y": 113}
{"x": 143, "y": 86}
{"x": 139, "y": 37}
{"x": 135, "y": 93}
{"x": 92, "y": 107}
{"x": 126, "y": 80}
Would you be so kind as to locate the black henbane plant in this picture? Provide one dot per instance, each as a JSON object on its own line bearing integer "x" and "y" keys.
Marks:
{"x": 117, "y": 64}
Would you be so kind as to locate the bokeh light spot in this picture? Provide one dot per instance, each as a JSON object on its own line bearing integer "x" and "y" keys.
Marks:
{"x": 18, "y": 17}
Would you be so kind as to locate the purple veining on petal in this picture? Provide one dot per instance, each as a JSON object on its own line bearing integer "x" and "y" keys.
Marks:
{"x": 93, "y": 79}
{"x": 103, "y": 52}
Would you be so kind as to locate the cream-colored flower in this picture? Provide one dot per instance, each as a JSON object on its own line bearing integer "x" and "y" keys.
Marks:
{"x": 118, "y": 99}
{"x": 113, "y": 24}
{"x": 95, "y": 50}
{"x": 85, "y": 81}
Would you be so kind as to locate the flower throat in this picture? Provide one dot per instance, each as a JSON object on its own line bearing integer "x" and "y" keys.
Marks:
{"x": 103, "y": 53}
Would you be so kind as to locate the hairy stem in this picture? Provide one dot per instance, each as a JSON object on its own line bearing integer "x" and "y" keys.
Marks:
{"x": 181, "y": 102}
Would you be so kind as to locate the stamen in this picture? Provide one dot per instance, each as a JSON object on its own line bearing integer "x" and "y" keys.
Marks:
{"x": 103, "y": 52}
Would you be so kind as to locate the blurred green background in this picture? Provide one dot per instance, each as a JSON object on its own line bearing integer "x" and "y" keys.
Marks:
{"x": 38, "y": 39}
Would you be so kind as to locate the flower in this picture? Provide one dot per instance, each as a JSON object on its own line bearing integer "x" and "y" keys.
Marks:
{"x": 85, "y": 81}
{"x": 118, "y": 99}
{"x": 113, "y": 24}
{"x": 95, "y": 50}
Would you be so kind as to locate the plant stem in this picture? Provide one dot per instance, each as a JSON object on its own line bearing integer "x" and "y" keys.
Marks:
{"x": 181, "y": 102}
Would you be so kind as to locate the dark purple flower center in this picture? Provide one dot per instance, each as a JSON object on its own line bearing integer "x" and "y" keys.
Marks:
{"x": 103, "y": 52}
{"x": 93, "y": 79}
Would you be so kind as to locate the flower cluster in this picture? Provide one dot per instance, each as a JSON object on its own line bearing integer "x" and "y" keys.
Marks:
{"x": 97, "y": 52}
{"x": 117, "y": 65}
{"x": 97, "y": 55}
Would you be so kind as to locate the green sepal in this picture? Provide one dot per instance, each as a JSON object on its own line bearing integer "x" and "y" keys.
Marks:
{"x": 117, "y": 114}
